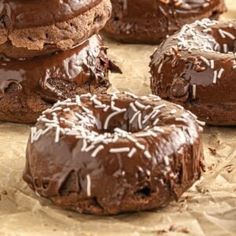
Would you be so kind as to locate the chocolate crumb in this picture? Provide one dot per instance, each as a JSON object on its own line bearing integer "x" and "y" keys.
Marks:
{"x": 212, "y": 151}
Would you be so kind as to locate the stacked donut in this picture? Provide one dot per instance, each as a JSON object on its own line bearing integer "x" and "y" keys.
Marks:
{"x": 50, "y": 50}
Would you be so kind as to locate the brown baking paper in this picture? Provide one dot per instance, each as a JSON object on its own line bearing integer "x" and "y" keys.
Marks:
{"x": 208, "y": 208}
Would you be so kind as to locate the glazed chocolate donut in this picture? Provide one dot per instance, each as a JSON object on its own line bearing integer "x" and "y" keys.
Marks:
{"x": 150, "y": 21}
{"x": 196, "y": 68}
{"x": 114, "y": 153}
{"x": 40, "y": 25}
{"x": 30, "y": 86}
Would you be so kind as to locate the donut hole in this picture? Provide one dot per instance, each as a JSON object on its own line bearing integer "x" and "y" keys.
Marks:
{"x": 128, "y": 120}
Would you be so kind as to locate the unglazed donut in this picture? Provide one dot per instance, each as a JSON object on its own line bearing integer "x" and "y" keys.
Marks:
{"x": 150, "y": 21}
{"x": 27, "y": 87}
{"x": 196, "y": 68}
{"x": 49, "y": 25}
{"x": 113, "y": 153}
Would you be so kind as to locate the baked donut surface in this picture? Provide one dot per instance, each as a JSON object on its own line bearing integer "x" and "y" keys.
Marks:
{"x": 112, "y": 153}
{"x": 150, "y": 21}
{"x": 28, "y": 87}
{"x": 42, "y": 25}
{"x": 196, "y": 68}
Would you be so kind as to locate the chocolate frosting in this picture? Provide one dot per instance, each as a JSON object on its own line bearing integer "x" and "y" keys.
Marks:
{"x": 18, "y": 14}
{"x": 107, "y": 154}
{"x": 196, "y": 68}
{"x": 52, "y": 77}
{"x": 151, "y": 21}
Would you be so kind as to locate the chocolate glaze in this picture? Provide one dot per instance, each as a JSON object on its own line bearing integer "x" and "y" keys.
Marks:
{"x": 49, "y": 78}
{"x": 199, "y": 73}
{"x": 18, "y": 14}
{"x": 151, "y": 21}
{"x": 91, "y": 155}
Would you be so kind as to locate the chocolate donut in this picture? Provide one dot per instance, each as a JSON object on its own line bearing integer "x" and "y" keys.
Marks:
{"x": 113, "y": 153}
{"x": 150, "y": 21}
{"x": 42, "y": 25}
{"x": 28, "y": 87}
{"x": 196, "y": 68}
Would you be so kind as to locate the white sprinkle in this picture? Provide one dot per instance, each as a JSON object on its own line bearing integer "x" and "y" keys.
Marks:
{"x": 215, "y": 77}
{"x": 202, "y": 123}
{"x": 67, "y": 109}
{"x": 134, "y": 116}
{"x": 106, "y": 108}
{"x": 155, "y": 97}
{"x": 159, "y": 68}
{"x": 77, "y": 99}
{"x": 158, "y": 129}
{"x": 156, "y": 121}
{"x": 148, "y": 172}
{"x": 142, "y": 135}
{"x": 212, "y": 63}
{"x": 194, "y": 88}
{"x": 133, "y": 107}
{"x": 88, "y": 185}
{"x": 225, "y": 48}
{"x": 173, "y": 111}
{"x": 140, "y": 168}
{"x": 131, "y": 94}
{"x": 179, "y": 119}
{"x": 140, "y": 121}
{"x": 166, "y": 160}
{"x": 220, "y": 73}
{"x": 97, "y": 150}
{"x": 132, "y": 152}
{"x": 225, "y": 33}
{"x": 86, "y": 95}
{"x": 147, "y": 154}
{"x": 89, "y": 148}
{"x": 57, "y": 134}
{"x": 33, "y": 130}
{"x": 155, "y": 113}
{"x": 139, "y": 145}
{"x": 112, "y": 115}
{"x": 119, "y": 150}
{"x": 205, "y": 60}
{"x": 179, "y": 106}
{"x": 84, "y": 145}
{"x": 139, "y": 105}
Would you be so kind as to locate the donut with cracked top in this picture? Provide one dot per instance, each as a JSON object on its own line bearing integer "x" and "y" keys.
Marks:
{"x": 29, "y": 28}
{"x": 196, "y": 68}
{"x": 112, "y": 153}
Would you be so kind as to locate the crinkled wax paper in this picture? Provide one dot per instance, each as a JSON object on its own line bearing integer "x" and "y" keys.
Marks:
{"x": 208, "y": 208}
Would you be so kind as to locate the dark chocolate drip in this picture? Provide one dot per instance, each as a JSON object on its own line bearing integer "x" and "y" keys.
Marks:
{"x": 58, "y": 75}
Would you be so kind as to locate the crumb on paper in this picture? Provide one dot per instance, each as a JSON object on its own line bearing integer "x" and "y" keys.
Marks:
{"x": 174, "y": 228}
{"x": 212, "y": 151}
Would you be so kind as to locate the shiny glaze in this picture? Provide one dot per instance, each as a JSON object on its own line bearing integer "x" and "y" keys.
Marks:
{"x": 60, "y": 168}
{"x": 151, "y": 21}
{"x": 199, "y": 73}
{"x": 17, "y": 14}
{"x": 74, "y": 67}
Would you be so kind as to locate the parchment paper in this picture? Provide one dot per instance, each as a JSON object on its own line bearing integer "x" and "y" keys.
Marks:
{"x": 208, "y": 208}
